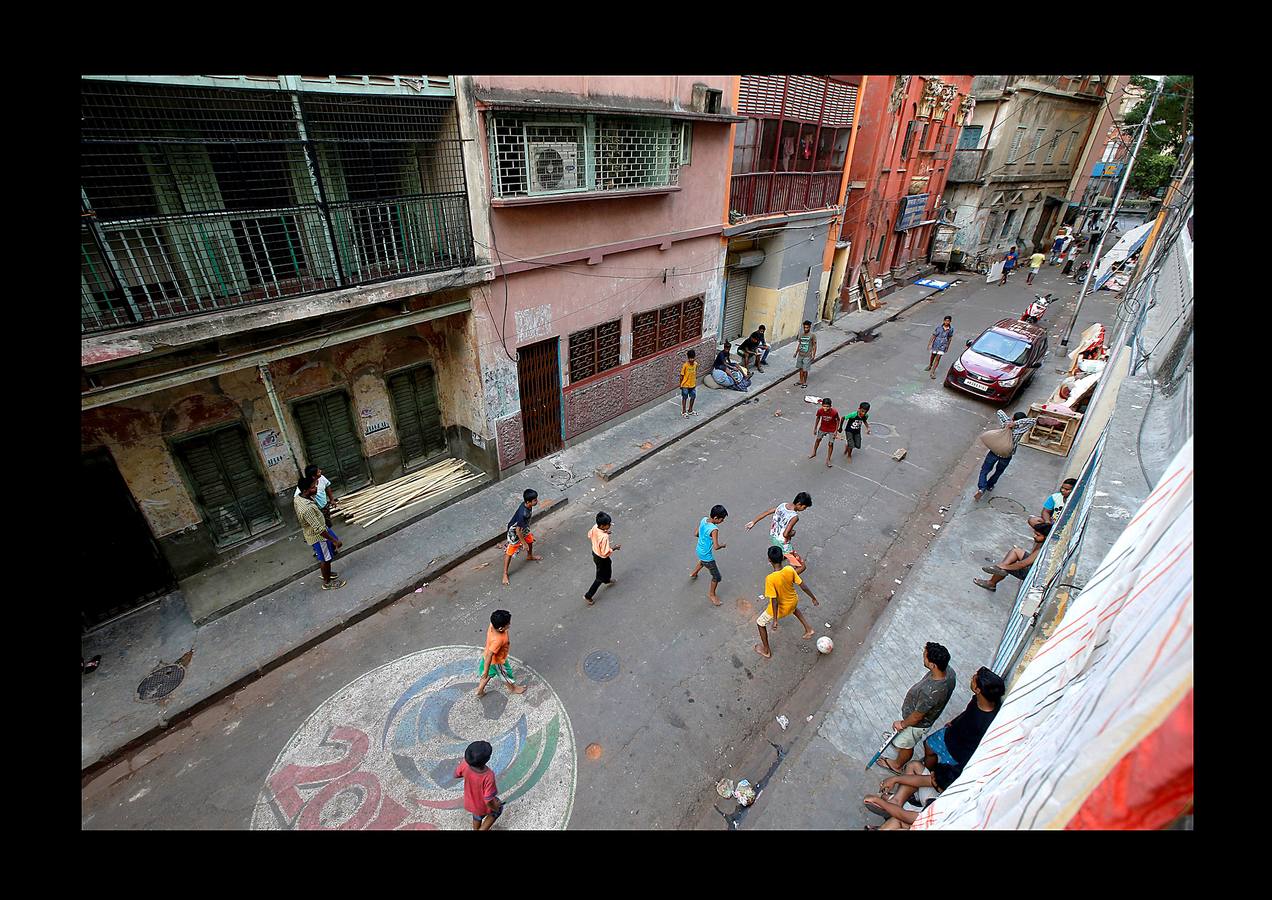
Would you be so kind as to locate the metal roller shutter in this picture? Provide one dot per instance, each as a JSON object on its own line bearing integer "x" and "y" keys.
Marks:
{"x": 419, "y": 421}
{"x": 326, "y": 427}
{"x": 231, "y": 493}
{"x": 734, "y": 303}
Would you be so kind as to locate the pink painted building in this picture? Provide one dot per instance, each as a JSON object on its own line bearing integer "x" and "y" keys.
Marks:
{"x": 606, "y": 198}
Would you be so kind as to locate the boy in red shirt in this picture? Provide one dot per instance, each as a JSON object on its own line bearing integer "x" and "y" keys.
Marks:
{"x": 495, "y": 658}
{"x": 481, "y": 793}
{"x": 826, "y": 426}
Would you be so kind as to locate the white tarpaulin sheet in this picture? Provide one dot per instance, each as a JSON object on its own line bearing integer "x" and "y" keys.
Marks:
{"x": 1115, "y": 677}
{"x": 1128, "y": 244}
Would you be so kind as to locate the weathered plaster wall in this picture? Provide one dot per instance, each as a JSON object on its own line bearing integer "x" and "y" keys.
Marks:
{"x": 139, "y": 433}
{"x": 781, "y": 312}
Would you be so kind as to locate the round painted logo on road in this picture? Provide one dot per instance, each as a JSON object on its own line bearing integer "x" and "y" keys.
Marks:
{"x": 381, "y": 753}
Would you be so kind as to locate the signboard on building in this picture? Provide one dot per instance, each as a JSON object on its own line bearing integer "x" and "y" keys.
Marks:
{"x": 1106, "y": 170}
{"x": 910, "y": 214}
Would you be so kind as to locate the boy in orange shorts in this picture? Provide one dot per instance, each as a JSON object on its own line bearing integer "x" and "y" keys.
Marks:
{"x": 779, "y": 588}
{"x": 494, "y": 660}
{"x": 519, "y": 530}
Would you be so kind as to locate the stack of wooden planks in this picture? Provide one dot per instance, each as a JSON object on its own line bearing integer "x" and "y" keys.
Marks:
{"x": 369, "y": 505}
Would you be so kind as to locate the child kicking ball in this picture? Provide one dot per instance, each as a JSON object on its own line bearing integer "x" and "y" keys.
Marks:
{"x": 779, "y": 588}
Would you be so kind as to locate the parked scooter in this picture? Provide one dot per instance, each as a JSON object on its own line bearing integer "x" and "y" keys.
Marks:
{"x": 1036, "y": 309}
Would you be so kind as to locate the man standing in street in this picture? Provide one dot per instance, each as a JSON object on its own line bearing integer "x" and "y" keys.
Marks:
{"x": 805, "y": 352}
{"x": 1019, "y": 425}
{"x": 1035, "y": 263}
{"x": 1009, "y": 263}
{"x": 923, "y": 705}
{"x": 317, "y": 535}
{"x": 940, "y": 342}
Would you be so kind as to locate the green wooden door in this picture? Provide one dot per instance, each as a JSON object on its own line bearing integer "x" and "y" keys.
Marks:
{"x": 331, "y": 443}
{"x": 228, "y": 489}
{"x": 419, "y": 421}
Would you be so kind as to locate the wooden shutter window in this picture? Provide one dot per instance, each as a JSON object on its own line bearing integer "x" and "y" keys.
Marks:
{"x": 231, "y": 493}
{"x": 326, "y": 426}
{"x": 691, "y": 320}
{"x": 419, "y": 421}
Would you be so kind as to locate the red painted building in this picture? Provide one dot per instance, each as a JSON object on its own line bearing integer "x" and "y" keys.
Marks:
{"x": 908, "y": 128}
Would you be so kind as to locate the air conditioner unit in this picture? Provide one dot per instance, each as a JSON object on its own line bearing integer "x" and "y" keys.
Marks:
{"x": 554, "y": 167}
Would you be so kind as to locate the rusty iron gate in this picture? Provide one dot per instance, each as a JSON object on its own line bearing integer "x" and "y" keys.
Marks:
{"x": 539, "y": 373}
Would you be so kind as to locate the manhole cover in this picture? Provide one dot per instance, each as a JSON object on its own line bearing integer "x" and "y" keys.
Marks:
{"x": 1006, "y": 505}
{"x": 160, "y": 683}
{"x": 600, "y": 665}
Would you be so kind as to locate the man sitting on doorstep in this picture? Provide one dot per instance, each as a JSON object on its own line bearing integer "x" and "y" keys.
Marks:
{"x": 1054, "y": 504}
{"x": 1016, "y": 562}
{"x": 923, "y": 705}
{"x": 947, "y": 751}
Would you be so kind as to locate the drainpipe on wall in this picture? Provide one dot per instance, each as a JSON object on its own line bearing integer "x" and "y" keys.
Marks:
{"x": 268, "y": 380}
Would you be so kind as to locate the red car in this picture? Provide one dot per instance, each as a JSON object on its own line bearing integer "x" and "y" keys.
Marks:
{"x": 1000, "y": 362}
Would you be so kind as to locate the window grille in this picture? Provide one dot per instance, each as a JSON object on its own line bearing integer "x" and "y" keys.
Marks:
{"x": 664, "y": 328}
{"x": 197, "y": 199}
{"x": 558, "y": 153}
{"x": 594, "y": 350}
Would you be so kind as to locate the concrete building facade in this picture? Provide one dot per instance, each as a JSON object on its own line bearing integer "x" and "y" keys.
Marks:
{"x": 907, "y": 132}
{"x": 275, "y": 271}
{"x": 1010, "y": 176}
{"x": 606, "y": 206}
{"x": 790, "y": 155}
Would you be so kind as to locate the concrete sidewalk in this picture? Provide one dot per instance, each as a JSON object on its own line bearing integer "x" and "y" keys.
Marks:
{"x": 819, "y": 777}
{"x": 231, "y": 650}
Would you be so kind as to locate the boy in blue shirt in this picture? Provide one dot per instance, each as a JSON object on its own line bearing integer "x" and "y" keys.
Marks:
{"x": 708, "y": 543}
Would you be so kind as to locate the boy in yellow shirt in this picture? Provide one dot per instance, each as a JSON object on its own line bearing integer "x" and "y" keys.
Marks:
{"x": 779, "y": 588}
{"x": 688, "y": 384}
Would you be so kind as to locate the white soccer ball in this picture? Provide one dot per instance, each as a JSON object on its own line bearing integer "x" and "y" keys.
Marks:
{"x": 825, "y": 644}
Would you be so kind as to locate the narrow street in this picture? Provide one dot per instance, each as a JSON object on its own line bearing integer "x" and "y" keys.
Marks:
{"x": 641, "y": 746}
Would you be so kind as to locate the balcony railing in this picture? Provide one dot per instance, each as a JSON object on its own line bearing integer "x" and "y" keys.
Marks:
{"x": 175, "y": 266}
{"x": 764, "y": 193}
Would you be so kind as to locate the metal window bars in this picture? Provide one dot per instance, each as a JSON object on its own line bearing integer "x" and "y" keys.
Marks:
{"x": 594, "y": 350}
{"x": 198, "y": 199}
{"x": 554, "y": 153}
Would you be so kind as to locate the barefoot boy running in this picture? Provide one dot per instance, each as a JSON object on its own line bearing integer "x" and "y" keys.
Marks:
{"x": 779, "y": 588}
{"x": 495, "y": 658}
{"x": 708, "y": 543}
{"x": 826, "y": 426}
{"x": 785, "y": 515}
{"x": 519, "y": 530}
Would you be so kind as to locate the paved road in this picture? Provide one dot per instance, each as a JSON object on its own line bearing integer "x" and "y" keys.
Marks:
{"x": 642, "y": 749}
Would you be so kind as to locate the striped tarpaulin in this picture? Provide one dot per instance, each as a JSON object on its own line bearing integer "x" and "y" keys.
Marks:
{"x": 1097, "y": 731}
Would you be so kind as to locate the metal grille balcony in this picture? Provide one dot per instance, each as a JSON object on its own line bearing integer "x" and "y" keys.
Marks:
{"x": 198, "y": 199}
{"x": 764, "y": 193}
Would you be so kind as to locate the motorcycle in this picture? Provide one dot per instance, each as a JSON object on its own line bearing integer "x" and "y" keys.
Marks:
{"x": 1036, "y": 309}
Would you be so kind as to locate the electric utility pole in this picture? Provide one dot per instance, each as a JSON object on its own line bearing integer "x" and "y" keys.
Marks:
{"x": 1117, "y": 201}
